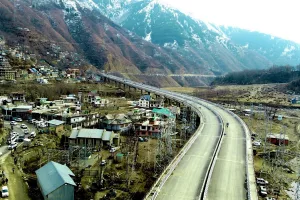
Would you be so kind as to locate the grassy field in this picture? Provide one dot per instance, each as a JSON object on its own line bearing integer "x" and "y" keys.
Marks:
{"x": 270, "y": 94}
{"x": 187, "y": 90}
{"x": 278, "y": 168}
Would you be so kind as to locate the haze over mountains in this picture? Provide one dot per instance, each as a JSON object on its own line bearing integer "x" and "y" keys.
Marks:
{"x": 140, "y": 37}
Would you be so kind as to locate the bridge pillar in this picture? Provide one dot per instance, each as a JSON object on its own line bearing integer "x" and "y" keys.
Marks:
{"x": 168, "y": 101}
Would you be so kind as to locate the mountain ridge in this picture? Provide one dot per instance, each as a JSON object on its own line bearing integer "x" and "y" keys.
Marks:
{"x": 140, "y": 15}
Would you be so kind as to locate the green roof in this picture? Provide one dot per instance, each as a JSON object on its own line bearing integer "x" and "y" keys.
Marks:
{"x": 163, "y": 111}
{"x": 52, "y": 176}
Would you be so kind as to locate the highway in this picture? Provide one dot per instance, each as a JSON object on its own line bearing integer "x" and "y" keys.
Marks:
{"x": 188, "y": 178}
{"x": 230, "y": 163}
{"x": 227, "y": 179}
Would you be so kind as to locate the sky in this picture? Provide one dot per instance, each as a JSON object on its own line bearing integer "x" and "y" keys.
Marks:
{"x": 279, "y": 18}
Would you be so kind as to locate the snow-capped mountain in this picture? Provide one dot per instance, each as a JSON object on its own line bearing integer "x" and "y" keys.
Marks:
{"x": 277, "y": 50}
{"x": 157, "y": 39}
{"x": 218, "y": 48}
{"x": 78, "y": 26}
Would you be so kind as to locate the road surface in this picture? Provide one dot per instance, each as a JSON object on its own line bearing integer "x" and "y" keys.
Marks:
{"x": 229, "y": 173}
{"x": 187, "y": 179}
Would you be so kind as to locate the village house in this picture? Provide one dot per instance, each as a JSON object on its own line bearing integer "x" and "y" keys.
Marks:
{"x": 139, "y": 113}
{"x": 149, "y": 128}
{"x": 58, "y": 125}
{"x": 155, "y": 126}
{"x": 17, "y": 111}
{"x": 117, "y": 123}
{"x": 147, "y": 102}
{"x": 17, "y": 97}
{"x": 72, "y": 73}
{"x": 144, "y": 101}
{"x": 278, "y": 139}
{"x": 6, "y": 71}
{"x": 94, "y": 138}
{"x": 92, "y": 97}
{"x": 55, "y": 181}
{"x": 157, "y": 103}
{"x": 71, "y": 98}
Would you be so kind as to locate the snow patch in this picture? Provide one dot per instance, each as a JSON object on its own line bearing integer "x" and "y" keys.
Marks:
{"x": 287, "y": 50}
{"x": 196, "y": 38}
{"x": 106, "y": 28}
{"x": 148, "y": 37}
{"x": 173, "y": 45}
{"x": 87, "y": 4}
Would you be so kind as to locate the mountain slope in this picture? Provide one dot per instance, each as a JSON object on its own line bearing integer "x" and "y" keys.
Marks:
{"x": 278, "y": 50}
{"x": 213, "y": 47}
{"x": 77, "y": 29}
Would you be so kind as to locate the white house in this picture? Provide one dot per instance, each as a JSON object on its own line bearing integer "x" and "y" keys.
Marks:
{"x": 144, "y": 101}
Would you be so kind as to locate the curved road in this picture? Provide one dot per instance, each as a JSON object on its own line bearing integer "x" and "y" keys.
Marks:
{"x": 228, "y": 179}
{"x": 188, "y": 177}
{"x": 229, "y": 174}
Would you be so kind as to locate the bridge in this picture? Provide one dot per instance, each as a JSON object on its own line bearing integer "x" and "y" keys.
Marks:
{"x": 217, "y": 161}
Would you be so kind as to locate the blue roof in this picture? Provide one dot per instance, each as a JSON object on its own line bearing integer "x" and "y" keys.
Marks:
{"x": 146, "y": 97}
{"x": 52, "y": 176}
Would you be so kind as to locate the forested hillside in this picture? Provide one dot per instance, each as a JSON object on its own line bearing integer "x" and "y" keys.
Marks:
{"x": 294, "y": 86}
{"x": 276, "y": 74}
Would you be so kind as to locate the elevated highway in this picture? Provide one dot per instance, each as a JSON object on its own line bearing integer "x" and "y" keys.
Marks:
{"x": 215, "y": 164}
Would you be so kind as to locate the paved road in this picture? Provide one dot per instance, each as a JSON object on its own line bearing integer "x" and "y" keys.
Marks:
{"x": 188, "y": 177}
{"x": 229, "y": 174}
{"x": 3, "y": 149}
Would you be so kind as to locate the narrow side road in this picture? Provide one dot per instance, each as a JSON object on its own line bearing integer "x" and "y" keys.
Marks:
{"x": 17, "y": 188}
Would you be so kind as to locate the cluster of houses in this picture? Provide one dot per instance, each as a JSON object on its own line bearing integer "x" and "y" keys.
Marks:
{"x": 6, "y": 71}
{"x": 146, "y": 119}
{"x": 31, "y": 69}
{"x": 295, "y": 99}
{"x": 66, "y": 109}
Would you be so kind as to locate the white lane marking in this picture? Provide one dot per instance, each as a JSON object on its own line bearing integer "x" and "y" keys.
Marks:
{"x": 233, "y": 161}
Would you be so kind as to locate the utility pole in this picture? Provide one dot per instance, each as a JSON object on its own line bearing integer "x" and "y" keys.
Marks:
{"x": 183, "y": 127}
{"x": 159, "y": 149}
{"x": 265, "y": 157}
{"x": 297, "y": 192}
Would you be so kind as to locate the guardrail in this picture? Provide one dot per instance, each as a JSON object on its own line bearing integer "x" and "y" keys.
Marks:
{"x": 252, "y": 191}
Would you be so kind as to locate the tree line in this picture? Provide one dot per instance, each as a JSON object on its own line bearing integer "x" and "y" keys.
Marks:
{"x": 275, "y": 74}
